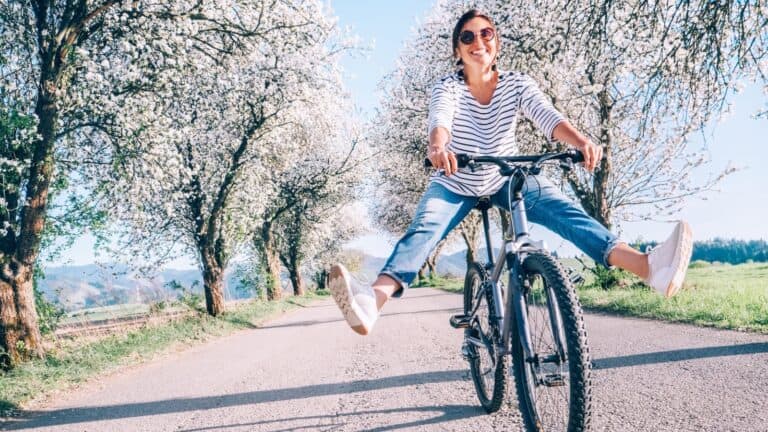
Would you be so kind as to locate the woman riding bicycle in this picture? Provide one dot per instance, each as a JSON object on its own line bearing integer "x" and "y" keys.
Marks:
{"x": 475, "y": 111}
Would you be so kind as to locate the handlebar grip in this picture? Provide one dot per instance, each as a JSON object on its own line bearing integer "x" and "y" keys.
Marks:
{"x": 576, "y": 156}
{"x": 461, "y": 159}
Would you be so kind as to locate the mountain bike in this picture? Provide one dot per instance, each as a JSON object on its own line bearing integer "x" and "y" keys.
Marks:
{"x": 534, "y": 322}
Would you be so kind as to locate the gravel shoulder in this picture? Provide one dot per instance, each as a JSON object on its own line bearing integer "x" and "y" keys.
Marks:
{"x": 307, "y": 371}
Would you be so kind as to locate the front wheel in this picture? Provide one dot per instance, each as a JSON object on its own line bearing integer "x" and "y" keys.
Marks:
{"x": 553, "y": 385}
{"x": 488, "y": 367}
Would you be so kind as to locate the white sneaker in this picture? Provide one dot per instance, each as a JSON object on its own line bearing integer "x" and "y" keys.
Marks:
{"x": 668, "y": 262}
{"x": 356, "y": 301}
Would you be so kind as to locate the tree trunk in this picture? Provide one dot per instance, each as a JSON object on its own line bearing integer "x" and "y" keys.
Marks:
{"x": 432, "y": 259}
{"x": 470, "y": 256}
{"x": 20, "y": 337}
{"x": 19, "y": 329}
{"x": 602, "y": 209}
{"x": 291, "y": 260}
{"x": 321, "y": 279}
{"x": 470, "y": 229}
{"x": 421, "y": 276}
{"x": 270, "y": 259}
{"x": 595, "y": 201}
{"x": 297, "y": 281}
{"x": 432, "y": 265}
{"x": 295, "y": 272}
{"x": 504, "y": 220}
{"x": 213, "y": 283}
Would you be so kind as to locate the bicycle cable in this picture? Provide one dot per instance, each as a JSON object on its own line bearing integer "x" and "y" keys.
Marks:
{"x": 533, "y": 201}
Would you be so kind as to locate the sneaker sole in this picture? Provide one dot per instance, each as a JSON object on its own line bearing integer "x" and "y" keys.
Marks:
{"x": 341, "y": 295}
{"x": 685, "y": 258}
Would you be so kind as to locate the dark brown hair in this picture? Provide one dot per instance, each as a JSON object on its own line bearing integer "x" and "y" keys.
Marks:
{"x": 473, "y": 13}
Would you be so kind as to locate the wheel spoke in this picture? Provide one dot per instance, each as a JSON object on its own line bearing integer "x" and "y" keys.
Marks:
{"x": 551, "y": 402}
{"x": 489, "y": 371}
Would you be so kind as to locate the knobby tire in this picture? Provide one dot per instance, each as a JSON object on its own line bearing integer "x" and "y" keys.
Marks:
{"x": 539, "y": 414}
{"x": 484, "y": 372}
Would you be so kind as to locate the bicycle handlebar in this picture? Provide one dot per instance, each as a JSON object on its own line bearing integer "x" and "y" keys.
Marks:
{"x": 465, "y": 160}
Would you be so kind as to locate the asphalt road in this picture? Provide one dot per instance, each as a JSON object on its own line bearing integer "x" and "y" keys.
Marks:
{"x": 307, "y": 372}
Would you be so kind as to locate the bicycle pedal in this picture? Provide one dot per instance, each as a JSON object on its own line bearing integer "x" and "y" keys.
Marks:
{"x": 467, "y": 352}
{"x": 554, "y": 380}
{"x": 459, "y": 321}
{"x": 575, "y": 277}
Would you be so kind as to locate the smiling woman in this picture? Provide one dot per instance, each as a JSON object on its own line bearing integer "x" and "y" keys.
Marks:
{"x": 475, "y": 111}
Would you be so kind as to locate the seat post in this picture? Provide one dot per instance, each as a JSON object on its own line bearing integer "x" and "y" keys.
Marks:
{"x": 483, "y": 205}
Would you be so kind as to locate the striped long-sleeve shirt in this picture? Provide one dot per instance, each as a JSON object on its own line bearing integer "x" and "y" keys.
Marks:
{"x": 486, "y": 129}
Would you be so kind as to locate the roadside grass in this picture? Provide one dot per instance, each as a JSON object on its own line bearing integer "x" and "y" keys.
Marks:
{"x": 105, "y": 312}
{"x": 69, "y": 362}
{"x": 722, "y": 296}
{"x": 714, "y": 295}
{"x": 451, "y": 284}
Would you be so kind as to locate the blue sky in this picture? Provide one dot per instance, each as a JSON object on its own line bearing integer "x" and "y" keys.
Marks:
{"x": 738, "y": 210}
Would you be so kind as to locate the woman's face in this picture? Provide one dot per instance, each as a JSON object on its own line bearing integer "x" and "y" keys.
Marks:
{"x": 482, "y": 50}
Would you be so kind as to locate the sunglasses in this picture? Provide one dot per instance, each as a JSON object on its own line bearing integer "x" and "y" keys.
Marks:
{"x": 467, "y": 37}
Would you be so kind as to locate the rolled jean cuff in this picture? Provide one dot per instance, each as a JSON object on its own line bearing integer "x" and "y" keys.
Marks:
{"x": 403, "y": 285}
{"x": 608, "y": 249}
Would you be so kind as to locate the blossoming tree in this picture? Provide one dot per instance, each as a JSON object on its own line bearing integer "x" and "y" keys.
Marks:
{"x": 93, "y": 85}
{"x": 210, "y": 163}
{"x": 311, "y": 193}
{"x": 42, "y": 44}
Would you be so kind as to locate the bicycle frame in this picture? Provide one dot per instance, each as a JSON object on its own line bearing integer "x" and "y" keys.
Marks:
{"x": 537, "y": 288}
{"x": 516, "y": 242}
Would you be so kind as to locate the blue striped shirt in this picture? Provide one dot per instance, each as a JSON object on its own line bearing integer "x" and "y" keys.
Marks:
{"x": 486, "y": 129}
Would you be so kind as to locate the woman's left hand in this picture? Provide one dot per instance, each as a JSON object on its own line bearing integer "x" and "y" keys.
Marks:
{"x": 592, "y": 154}
{"x": 568, "y": 134}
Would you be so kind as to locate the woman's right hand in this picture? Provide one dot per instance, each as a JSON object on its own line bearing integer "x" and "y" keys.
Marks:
{"x": 440, "y": 157}
{"x": 443, "y": 159}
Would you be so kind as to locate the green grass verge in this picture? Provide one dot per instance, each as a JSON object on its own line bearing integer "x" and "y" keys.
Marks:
{"x": 72, "y": 362}
{"x": 104, "y": 313}
{"x": 722, "y": 296}
{"x": 446, "y": 284}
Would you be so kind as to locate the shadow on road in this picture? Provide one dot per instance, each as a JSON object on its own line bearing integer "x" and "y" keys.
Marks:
{"x": 340, "y": 319}
{"x": 415, "y": 292}
{"x": 30, "y": 419}
{"x": 679, "y": 355}
{"x": 446, "y": 413}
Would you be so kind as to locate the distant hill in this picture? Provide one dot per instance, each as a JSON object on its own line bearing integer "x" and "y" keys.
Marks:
{"x": 447, "y": 265}
{"x": 452, "y": 265}
{"x": 77, "y": 287}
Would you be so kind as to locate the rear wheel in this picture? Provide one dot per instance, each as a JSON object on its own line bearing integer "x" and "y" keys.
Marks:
{"x": 489, "y": 369}
{"x": 553, "y": 386}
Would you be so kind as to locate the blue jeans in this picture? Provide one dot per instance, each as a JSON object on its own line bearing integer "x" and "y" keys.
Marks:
{"x": 440, "y": 210}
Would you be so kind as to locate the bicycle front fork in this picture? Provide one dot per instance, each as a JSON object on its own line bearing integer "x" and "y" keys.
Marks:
{"x": 518, "y": 306}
